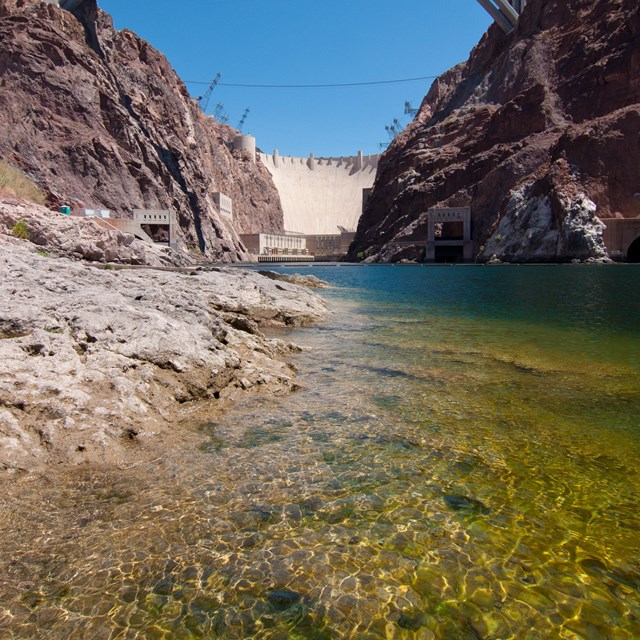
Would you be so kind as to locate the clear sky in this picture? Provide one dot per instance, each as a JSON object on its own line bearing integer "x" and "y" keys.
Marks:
{"x": 309, "y": 42}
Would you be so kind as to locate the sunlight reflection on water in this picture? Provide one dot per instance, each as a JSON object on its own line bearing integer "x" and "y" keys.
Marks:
{"x": 461, "y": 462}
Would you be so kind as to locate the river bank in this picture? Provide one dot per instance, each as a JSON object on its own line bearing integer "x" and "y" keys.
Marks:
{"x": 96, "y": 365}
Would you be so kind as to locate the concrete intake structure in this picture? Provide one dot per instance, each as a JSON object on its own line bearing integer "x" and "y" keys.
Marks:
{"x": 320, "y": 196}
{"x": 449, "y": 235}
{"x": 245, "y": 144}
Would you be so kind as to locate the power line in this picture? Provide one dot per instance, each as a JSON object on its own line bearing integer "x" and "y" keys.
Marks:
{"x": 314, "y": 86}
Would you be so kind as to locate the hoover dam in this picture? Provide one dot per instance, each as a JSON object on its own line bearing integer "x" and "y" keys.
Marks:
{"x": 321, "y": 196}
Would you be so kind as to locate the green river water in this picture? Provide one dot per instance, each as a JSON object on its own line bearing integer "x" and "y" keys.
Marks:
{"x": 461, "y": 462}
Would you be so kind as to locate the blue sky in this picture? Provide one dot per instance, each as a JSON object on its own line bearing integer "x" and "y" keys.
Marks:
{"x": 309, "y": 42}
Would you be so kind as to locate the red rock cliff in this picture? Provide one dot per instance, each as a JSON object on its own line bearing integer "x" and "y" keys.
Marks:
{"x": 538, "y": 132}
{"x": 98, "y": 118}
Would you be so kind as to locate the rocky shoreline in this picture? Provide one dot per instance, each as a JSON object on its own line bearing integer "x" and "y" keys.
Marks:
{"x": 97, "y": 364}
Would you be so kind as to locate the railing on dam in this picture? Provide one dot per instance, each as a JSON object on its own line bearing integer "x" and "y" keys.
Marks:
{"x": 285, "y": 258}
{"x": 359, "y": 162}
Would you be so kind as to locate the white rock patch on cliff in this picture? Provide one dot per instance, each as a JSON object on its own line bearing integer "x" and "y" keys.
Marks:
{"x": 530, "y": 232}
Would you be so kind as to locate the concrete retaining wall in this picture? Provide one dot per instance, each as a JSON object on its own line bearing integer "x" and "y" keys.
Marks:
{"x": 619, "y": 234}
{"x": 319, "y": 195}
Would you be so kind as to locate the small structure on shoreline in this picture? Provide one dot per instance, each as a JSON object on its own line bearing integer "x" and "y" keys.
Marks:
{"x": 449, "y": 235}
{"x": 277, "y": 247}
{"x": 155, "y": 226}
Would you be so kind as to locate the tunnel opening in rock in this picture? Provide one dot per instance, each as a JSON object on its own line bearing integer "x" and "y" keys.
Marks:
{"x": 633, "y": 253}
{"x": 445, "y": 254}
{"x": 157, "y": 232}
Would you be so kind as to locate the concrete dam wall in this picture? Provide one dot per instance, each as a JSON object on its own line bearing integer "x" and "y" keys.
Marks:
{"x": 319, "y": 195}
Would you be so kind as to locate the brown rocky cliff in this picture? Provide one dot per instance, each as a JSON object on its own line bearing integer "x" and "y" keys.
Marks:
{"x": 99, "y": 119}
{"x": 537, "y": 132}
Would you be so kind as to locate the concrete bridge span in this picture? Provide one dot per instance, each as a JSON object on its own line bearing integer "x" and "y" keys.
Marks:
{"x": 321, "y": 195}
{"x": 505, "y": 13}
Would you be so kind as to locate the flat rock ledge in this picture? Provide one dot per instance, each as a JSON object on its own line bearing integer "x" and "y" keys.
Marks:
{"x": 96, "y": 364}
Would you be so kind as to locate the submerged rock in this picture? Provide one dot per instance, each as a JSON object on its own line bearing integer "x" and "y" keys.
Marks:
{"x": 466, "y": 504}
{"x": 283, "y": 599}
{"x": 163, "y": 588}
{"x": 411, "y": 620}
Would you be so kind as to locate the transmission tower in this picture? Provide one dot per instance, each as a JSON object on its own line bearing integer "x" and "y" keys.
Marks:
{"x": 394, "y": 129}
{"x": 409, "y": 110}
{"x": 204, "y": 99}
{"x": 243, "y": 119}
{"x": 220, "y": 115}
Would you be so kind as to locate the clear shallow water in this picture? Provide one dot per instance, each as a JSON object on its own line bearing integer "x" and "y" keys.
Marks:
{"x": 460, "y": 463}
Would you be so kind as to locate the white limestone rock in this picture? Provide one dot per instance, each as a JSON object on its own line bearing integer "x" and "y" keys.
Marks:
{"x": 94, "y": 363}
{"x": 530, "y": 230}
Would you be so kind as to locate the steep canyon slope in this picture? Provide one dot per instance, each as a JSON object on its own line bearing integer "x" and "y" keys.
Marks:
{"x": 538, "y": 132}
{"x": 99, "y": 119}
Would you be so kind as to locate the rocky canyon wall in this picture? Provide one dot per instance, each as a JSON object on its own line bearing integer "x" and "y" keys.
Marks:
{"x": 538, "y": 132}
{"x": 99, "y": 119}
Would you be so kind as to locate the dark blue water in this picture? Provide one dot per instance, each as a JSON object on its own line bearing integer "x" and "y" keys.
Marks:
{"x": 602, "y": 299}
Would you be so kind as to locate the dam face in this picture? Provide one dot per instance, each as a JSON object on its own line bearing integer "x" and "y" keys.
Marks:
{"x": 320, "y": 195}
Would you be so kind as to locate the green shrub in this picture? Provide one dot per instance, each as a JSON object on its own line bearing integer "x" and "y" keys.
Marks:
{"x": 20, "y": 230}
{"x": 53, "y": 329}
{"x": 15, "y": 183}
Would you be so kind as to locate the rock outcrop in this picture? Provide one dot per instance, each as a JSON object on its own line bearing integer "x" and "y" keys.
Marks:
{"x": 537, "y": 132}
{"x": 99, "y": 119}
{"x": 95, "y": 362}
{"x": 77, "y": 238}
